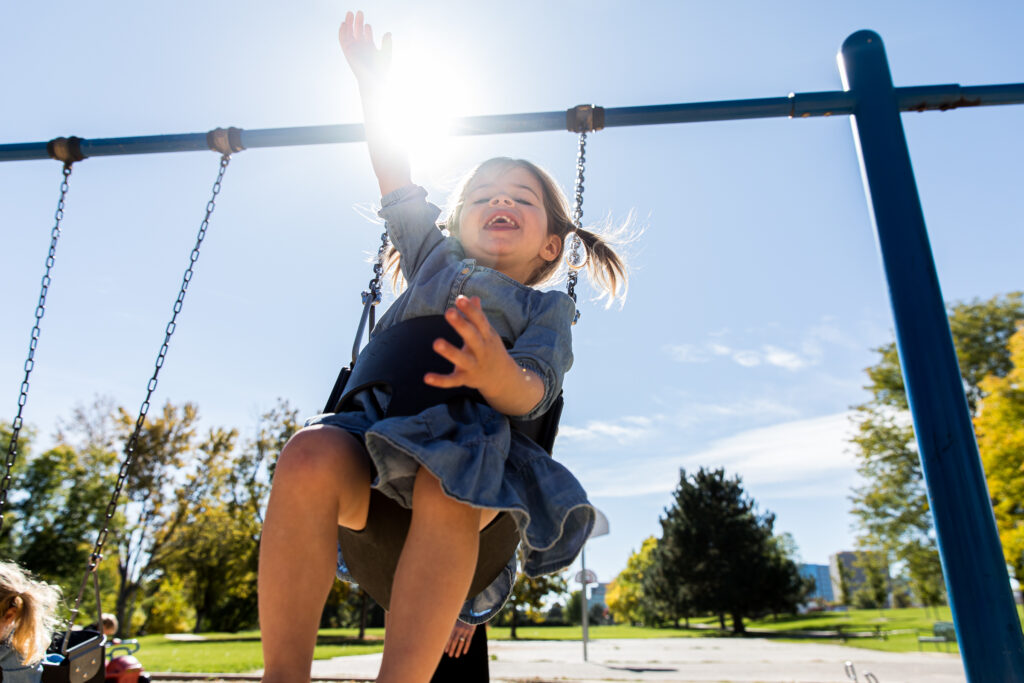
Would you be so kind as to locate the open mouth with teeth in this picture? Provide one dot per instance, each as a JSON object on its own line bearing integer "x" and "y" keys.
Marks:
{"x": 501, "y": 221}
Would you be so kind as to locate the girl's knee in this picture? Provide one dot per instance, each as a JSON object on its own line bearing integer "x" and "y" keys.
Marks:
{"x": 322, "y": 455}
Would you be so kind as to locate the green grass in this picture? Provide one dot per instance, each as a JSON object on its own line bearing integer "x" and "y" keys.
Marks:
{"x": 240, "y": 652}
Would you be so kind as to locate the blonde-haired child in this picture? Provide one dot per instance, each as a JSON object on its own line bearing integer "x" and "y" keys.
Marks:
{"x": 456, "y": 465}
{"x": 28, "y": 608}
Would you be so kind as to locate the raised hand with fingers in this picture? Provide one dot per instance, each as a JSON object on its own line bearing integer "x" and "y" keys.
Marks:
{"x": 483, "y": 363}
{"x": 369, "y": 64}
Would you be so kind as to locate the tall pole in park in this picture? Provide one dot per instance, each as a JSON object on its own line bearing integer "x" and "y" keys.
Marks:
{"x": 988, "y": 628}
{"x": 584, "y": 577}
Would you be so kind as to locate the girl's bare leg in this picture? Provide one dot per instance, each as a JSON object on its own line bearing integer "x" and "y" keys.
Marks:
{"x": 431, "y": 582}
{"x": 322, "y": 479}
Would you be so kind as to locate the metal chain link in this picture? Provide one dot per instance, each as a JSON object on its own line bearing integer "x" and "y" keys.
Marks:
{"x": 372, "y": 297}
{"x": 12, "y": 448}
{"x": 577, "y": 218}
{"x": 129, "y": 449}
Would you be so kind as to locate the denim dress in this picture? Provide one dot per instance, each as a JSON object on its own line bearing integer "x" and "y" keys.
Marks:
{"x": 466, "y": 444}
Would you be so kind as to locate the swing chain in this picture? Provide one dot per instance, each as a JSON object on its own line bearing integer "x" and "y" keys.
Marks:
{"x": 129, "y": 449}
{"x": 12, "y": 448}
{"x": 372, "y": 296}
{"x": 577, "y": 218}
{"x": 374, "y": 293}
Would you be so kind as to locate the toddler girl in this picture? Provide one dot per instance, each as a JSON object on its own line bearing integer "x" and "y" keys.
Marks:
{"x": 28, "y": 611}
{"x": 456, "y": 465}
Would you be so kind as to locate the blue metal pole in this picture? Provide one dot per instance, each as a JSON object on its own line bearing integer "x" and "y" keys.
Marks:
{"x": 794, "y": 105}
{"x": 977, "y": 582}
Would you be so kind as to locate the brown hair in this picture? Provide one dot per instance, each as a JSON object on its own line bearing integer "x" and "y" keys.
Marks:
{"x": 35, "y": 605}
{"x": 603, "y": 265}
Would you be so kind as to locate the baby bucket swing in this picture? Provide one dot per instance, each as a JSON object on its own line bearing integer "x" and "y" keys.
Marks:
{"x": 396, "y": 360}
{"x": 82, "y": 651}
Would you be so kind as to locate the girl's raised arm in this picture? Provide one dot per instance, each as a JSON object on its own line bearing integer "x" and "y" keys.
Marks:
{"x": 370, "y": 66}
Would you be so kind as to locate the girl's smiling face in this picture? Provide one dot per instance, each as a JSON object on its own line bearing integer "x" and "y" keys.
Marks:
{"x": 503, "y": 223}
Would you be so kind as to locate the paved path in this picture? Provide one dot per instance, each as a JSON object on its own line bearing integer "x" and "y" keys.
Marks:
{"x": 695, "y": 660}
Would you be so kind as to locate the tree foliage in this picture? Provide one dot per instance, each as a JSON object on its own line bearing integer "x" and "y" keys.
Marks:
{"x": 1000, "y": 428}
{"x": 625, "y": 596}
{"x": 182, "y": 545}
{"x": 528, "y": 596}
{"x": 874, "y": 591}
{"x": 891, "y": 507}
{"x": 717, "y": 546}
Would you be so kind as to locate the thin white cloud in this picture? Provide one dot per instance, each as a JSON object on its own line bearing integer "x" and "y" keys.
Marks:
{"x": 624, "y": 430}
{"x": 803, "y": 458}
{"x": 687, "y": 353}
{"x": 782, "y": 358}
{"x": 810, "y": 348}
{"x": 719, "y": 349}
{"x": 747, "y": 359}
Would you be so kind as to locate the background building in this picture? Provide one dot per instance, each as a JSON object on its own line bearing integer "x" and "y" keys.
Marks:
{"x": 822, "y": 581}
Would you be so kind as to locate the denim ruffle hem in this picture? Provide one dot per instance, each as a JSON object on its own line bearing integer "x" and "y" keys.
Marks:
{"x": 479, "y": 460}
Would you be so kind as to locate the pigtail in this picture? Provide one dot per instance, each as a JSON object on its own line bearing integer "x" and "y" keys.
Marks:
{"x": 604, "y": 266}
{"x": 35, "y": 606}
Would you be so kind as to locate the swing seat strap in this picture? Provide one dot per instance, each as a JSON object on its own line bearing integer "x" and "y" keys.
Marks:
{"x": 397, "y": 358}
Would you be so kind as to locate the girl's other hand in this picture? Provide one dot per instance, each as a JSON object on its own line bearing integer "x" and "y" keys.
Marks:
{"x": 458, "y": 641}
{"x": 483, "y": 363}
{"x": 369, "y": 64}
{"x": 482, "y": 350}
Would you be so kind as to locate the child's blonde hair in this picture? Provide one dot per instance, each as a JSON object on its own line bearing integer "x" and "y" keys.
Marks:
{"x": 34, "y": 605}
{"x": 605, "y": 266}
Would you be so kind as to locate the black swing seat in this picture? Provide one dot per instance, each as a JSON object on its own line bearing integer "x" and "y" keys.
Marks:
{"x": 396, "y": 359}
{"x": 84, "y": 661}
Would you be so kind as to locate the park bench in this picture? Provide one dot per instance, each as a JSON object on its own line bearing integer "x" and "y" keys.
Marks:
{"x": 942, "y": 632}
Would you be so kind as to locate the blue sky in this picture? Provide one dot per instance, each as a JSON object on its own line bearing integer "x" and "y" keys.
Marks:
{"x": 756, "y": 290}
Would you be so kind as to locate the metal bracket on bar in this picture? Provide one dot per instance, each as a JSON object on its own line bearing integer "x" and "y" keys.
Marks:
{"x": 584, "y": 118}
{"x": 67, "y": 150}
{"x": 225, "y": 141}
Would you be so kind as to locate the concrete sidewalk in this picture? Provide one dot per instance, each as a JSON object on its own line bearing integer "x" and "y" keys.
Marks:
{"x": 696, "y": 660}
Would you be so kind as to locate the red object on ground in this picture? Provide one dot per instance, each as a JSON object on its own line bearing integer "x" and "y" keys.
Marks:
{"x": 124, "y": 669}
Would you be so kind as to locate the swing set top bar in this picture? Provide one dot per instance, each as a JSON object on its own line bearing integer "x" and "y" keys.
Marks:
{"x": 796, "y": 105}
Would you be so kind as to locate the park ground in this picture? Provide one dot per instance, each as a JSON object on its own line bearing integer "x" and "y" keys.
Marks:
{"x": 892, "y": 631}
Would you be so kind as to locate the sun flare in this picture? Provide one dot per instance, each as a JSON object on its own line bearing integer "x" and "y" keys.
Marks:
{"x": 421, "y": 108}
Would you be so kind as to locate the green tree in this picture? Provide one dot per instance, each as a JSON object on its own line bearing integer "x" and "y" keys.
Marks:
{"x": 666, "y": 597}
{"x": 167, "y": 608}
{"x": 625, "y": 596}
{"x": 215, "y": 546}
{"x": 780, "y": 583}
{"x": 528, "y": 595}
{"x": 716, "y": 544}
{"x": 1000, "y": 428}
{"x": 874, "y": 592}
{"x": 891, "y": 507}
{"x": 574, "y": 607}
{"x": 845, "y": 594}
{"x": 163, "y": 448}
{"x": 205, "y": 549}
{"x": 56, "y": 506}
